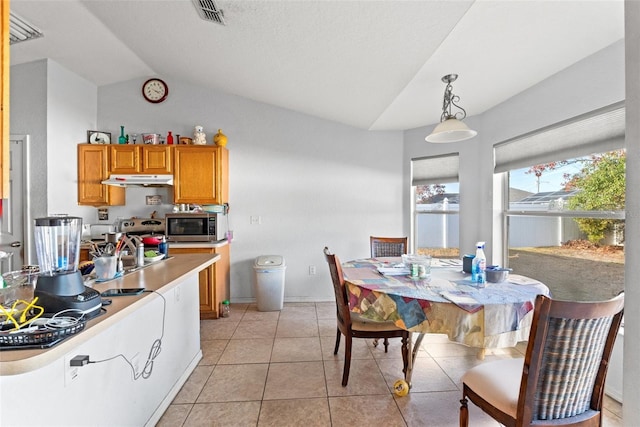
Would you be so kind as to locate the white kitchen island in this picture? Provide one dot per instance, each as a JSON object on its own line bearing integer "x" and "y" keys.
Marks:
{"x": 146, "y": 348}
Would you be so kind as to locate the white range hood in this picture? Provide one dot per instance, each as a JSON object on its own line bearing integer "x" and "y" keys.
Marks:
{"x": 139, "y": 180}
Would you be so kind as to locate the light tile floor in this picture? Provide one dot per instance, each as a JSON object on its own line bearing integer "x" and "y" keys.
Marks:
{"x": 278, "y": 369}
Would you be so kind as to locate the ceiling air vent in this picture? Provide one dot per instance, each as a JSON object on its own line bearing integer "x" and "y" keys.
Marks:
{"x": 20, "y": 30}
{"x": 209, "y": 11}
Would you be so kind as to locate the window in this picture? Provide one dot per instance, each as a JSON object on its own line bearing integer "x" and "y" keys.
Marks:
{"x": 437, "y": 205}
{"x": 565, "y": 208}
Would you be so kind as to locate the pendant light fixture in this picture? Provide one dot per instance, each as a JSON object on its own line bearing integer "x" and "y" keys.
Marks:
{"x": 451, "y": 128}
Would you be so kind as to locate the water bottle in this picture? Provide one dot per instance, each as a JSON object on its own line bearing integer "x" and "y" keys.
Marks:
{"x": 479, "y": 266}
{"x": 140, "y": 255}
{"x": 163, "y": 247}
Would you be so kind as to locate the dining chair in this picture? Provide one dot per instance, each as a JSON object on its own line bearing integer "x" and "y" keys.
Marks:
{"x": 387, "y": 246}
{"x": 561, "y": 379}
{"x": 351, "y": 325}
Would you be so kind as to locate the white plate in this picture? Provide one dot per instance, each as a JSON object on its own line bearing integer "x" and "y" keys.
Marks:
{"x": 149, "y": 260}
{"x": 394, "y": 271}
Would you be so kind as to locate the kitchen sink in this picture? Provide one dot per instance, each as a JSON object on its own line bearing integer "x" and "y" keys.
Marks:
{"x": 90, "y": 279}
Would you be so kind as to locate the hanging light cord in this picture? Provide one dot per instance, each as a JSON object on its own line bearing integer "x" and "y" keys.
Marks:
{"x": 449, "y": 100}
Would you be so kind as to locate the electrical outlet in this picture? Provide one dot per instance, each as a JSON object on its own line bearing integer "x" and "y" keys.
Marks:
{"x": 255, "y": 219}
{"x": 70, "y": 372}
{"x": 312, "y": 270}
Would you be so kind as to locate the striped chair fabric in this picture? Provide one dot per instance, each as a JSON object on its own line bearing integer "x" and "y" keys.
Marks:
{"x": 560, "y": 381}
{"x": 570, "y": 365}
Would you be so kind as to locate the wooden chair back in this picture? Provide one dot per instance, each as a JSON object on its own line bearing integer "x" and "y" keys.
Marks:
{"x": 340, "y": 291}
{"x": 567, "y": 359}
{"x": 387, "y": 246}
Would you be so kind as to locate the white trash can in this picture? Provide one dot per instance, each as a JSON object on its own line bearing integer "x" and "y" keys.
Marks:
{"x": 269, "y": 283}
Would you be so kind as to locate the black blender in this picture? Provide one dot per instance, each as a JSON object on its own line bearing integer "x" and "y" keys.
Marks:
{"x": 60, "y": 285}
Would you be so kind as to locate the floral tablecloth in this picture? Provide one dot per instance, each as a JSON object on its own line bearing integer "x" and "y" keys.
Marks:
{"x": 498, "y": 315}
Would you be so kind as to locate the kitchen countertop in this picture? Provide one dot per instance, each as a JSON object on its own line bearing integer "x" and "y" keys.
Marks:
{"x": 161, "y": 277}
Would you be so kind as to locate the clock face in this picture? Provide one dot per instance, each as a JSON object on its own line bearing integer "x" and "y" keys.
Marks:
{"x": 155, "y": 90}
{"x": 99, "y": 138}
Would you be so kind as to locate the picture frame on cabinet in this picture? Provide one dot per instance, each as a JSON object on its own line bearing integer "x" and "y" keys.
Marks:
{"x": 98, "y": 137}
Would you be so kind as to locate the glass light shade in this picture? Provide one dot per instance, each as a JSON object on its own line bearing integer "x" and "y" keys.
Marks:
{"x": 450, "y": 130}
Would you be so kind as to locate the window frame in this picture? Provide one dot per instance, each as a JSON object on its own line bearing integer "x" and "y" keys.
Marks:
{"x": 445, "y": 169}
{"x": 507, "y": 158}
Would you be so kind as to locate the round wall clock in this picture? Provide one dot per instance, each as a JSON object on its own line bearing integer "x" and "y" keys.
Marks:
{"x": 97, "y": 137}
{"x": 155, "y": 90}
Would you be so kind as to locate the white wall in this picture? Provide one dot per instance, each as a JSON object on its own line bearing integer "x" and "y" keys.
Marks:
{"x": 71, "y": 111}
{"x": 55, "y": 107}
{"x": 28, "y": 100}
{"x": 312, "y": 182}
{"x": 106, "y": 393}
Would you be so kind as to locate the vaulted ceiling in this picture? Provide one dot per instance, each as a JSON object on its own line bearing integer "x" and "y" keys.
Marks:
{"x": 370, "y": 64}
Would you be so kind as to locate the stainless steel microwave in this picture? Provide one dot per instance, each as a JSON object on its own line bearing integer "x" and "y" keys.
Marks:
{"x": 195, "y": 227}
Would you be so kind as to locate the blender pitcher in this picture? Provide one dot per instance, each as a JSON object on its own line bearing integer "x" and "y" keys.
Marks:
{"x": 57, "y": 240}
{"x": 60, "y": 285}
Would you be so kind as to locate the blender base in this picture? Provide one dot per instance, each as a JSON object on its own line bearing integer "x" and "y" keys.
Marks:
{"x": 66, "y": 291}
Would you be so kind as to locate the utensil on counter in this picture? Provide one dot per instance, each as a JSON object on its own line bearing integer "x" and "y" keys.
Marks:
{"x": 112, "y": 237}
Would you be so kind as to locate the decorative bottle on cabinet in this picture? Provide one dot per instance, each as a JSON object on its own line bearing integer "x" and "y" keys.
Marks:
{"x": 220, "y": 139}
{"x": 122, "y": 139}
{"x": 169, "y": 138}
{"x": 479, "y": 266}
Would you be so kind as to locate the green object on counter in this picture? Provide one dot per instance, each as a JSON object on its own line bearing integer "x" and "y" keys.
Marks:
{"x": 150, "y": 254}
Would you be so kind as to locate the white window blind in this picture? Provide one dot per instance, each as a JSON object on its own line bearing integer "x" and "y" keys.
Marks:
{"x": 598, "y": 131}
{"x": 435, "y": 169}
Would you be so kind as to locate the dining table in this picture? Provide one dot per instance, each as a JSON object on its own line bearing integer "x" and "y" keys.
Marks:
{"x": 446, "y": 301}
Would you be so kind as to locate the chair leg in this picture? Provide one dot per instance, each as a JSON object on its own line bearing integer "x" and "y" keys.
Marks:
{"x": 347, "y": 360}
{"x": 405, "y": 355}
{"x": 464, "y": 413}
{"x": 386, "y": 344}
{"x": 335, "y": 350}
{"x": 375, "y": 342}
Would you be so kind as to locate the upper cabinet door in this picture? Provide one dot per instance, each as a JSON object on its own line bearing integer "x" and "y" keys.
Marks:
{"x": 93, "y": 161}
{"x": 201, "y": 174}
{"x": 125, "y": 159}
{"x": 141, "y": 159}
{"x": 156, "y": 159}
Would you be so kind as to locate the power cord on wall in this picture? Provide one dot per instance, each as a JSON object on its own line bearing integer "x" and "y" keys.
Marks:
{"x": 154, "y": 351}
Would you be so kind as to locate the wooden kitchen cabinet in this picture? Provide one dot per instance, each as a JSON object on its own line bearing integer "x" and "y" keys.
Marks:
{"x": 214, "y": 280}
{"x": 93, "y": 162}
{"x": 201, "y": 174}
{"x": 142, "y": 159}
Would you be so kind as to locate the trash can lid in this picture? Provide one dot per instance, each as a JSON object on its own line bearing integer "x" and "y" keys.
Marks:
{"x": 269, "y": 261}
